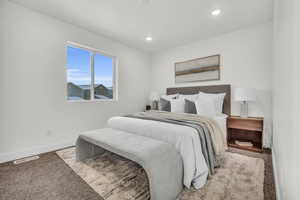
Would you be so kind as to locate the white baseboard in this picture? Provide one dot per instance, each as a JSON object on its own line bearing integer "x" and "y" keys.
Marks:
{"x": 275, "y": 172}
{"x": 6, "y": 157}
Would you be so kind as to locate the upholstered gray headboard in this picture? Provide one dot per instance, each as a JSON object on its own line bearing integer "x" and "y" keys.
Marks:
{"x": 208, "y": 89}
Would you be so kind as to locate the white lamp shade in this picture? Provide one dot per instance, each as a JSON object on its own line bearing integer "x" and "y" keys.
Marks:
{"x": 154, "y": 96}
{"x": 244, "y": 94}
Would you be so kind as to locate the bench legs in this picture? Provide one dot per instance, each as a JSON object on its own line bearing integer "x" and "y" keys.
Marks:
{"x": 85, "y": 150}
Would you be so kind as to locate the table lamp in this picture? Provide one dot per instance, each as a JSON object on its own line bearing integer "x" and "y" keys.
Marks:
{"x": 154, "y": 98}
{"x": 244, "y": 95}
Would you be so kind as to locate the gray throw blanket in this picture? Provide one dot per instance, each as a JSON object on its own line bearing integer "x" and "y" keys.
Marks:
{"x": 205, "y": 135}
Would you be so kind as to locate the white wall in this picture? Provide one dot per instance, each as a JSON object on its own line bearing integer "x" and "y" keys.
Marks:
{"x": 286, "y": 97}
{"x": 34, "y": 110}
{"x": 246, "y": 61}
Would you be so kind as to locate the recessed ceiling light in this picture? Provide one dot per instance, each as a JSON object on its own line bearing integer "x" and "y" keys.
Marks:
{"x": 148, "y": 39}
{"x": 216, "y": 12}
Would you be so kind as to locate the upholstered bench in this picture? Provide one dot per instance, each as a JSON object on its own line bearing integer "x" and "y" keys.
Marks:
{"x": 160, "y": 160}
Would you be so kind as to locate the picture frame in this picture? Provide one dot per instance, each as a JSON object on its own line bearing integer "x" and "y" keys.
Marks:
{"x": 199, "y": 69}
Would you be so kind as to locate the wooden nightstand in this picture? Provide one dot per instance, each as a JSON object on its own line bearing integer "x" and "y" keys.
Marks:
{"x": 245, "y": 130}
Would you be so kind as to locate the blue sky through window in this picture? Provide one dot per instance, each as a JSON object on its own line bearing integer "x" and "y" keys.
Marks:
{"x": 103, "y": 70}
{"x": 78, "y": 64}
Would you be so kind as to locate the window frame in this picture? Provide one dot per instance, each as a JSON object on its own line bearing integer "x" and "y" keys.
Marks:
{"x": 94, "y": 51}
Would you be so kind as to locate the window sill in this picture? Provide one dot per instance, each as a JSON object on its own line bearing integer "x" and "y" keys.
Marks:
{"x": 92, "y": 101}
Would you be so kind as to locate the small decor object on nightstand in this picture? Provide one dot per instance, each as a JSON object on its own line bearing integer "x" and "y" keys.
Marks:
{"x": 245, "y": 133}
{"x": 148, "y": 107}
{"x": 154, "y": 98}
{"x": 244, "y": 96}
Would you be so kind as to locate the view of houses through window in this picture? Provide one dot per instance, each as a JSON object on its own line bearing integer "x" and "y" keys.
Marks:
{"x": 90, "y": 75}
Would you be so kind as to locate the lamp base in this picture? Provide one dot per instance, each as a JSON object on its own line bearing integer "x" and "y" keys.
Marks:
{"x": 155, "y": 105}
{"x": 244, "y": 110}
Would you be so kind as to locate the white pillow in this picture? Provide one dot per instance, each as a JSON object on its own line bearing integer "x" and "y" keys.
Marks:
{"x": 205, "y": 107}
{"x": 191, "y": 97}
{"x": 177, "y": 105}
{"x": 169, "y": 97}
{"x": 217, "y": 99}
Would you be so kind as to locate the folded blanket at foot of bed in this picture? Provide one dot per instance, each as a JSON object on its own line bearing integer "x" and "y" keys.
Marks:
{"x": 161, "y": 161}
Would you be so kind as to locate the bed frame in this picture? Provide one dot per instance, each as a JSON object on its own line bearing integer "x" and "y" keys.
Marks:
{"x": 208, "y": 89}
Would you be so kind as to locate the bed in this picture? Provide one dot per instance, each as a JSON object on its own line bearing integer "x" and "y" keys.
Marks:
{"x": 170, "y": 128}
{"x": 195, "y": 141}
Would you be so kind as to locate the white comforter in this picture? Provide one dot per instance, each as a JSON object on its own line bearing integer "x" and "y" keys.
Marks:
{"x": 185, "y": 140}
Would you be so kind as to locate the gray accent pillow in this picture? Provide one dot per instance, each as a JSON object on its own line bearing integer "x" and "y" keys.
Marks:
{"x": 190, "y": 107}
{"x": 165, "y": 105}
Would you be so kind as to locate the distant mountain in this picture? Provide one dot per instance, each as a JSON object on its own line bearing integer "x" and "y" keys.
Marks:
{"x": 89, "y": 86}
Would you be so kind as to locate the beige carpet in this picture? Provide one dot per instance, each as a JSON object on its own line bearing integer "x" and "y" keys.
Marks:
{"x": 116, "y": 178}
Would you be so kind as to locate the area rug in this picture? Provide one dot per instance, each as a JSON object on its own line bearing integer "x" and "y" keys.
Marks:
{"x": 116, "y": 178}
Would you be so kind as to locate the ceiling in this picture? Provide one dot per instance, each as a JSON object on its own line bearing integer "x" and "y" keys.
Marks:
{"x": 170, "y": 22}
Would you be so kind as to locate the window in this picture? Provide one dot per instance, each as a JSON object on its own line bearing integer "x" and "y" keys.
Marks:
{"x": 90, "y": 74}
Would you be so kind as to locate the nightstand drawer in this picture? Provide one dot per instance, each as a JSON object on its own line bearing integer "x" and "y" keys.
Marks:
{"x": 245, "y": 135}
{"x": 246, "y": 124}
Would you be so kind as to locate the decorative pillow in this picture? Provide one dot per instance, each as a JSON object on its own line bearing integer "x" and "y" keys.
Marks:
{"x": 164, "y": 102}
{"x": 205, "y": 107}
{"x": 190, "y": 107}
{"x": 217, "y": 99}
{"x": 177, "y": 105}
{"x": 164, "y": 105}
